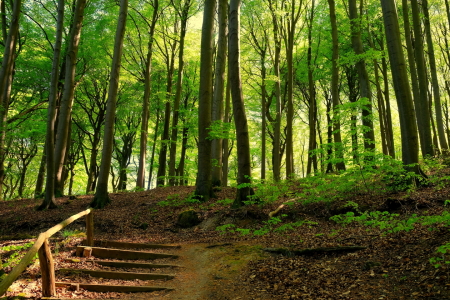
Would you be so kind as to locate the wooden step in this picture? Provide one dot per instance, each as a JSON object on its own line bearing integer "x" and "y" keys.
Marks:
{"x": 123, "y": 254}
{"x": 113, "y": 288}
{"x": 126, "y": 245}
{"x": 119, "y": 275}
{"x": 124, "y": 264}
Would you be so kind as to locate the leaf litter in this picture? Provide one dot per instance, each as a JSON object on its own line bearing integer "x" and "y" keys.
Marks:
{"x": 232, "y": 265}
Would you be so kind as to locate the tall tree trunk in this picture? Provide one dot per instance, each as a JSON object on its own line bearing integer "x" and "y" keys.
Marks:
{"x": 101, "y": 198}
{"x": 291, "y": 25}
{"x": 40, "y": 180}
{"x": 338, "y": 149}
{"x": 93, "y": 167}
{"x": 162, "y": 159}
{"x": 204, "y": 179}
{"x": 364, "y": 83}
{"x": 240, "y": 118}
{"x": 276, "y": 152}
{"x": 263, "y": 115}
{"x": 422, "y": 108}
{"x": 184, "y": 15}
{"x": 410, "y": 142}
{"x": 312, "y": 111}
{"x": 140, "y": 182}
{"x": 49, "y": 198}
{"x": 387, "y": 105}
{"x": 152, "y": 157}
{"x": 219, "y": 84}
{"x": 227, "y": 119}
{"x": 434, "y": 79}
{"x": 329, "y": 165}
{"x": 6, "y": 75}
{"x": 67, "y": 98}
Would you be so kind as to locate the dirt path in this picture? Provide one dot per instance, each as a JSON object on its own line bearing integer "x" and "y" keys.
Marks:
{"x": 208, "y": 272}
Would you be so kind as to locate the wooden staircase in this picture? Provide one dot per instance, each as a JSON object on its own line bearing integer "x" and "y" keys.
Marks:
{"x": 122, "y": 256}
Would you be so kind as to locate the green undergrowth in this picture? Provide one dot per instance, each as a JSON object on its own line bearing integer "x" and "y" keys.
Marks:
{"x": 15, "y": 253}
{"x": 274, "y": 224}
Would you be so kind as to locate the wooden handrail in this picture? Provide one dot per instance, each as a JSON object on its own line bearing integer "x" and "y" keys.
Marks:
{"x": 19, "y": 268}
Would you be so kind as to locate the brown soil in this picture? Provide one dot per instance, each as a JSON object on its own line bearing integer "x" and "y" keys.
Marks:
{"x": 233, "y": 266}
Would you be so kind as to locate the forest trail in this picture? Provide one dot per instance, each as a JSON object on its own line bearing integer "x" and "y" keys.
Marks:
{"x": 208, "y": 271}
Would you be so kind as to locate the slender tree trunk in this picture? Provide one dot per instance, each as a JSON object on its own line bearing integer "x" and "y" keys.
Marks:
{"x": 422, "y": 107}
{"x": 152, "y": 157}
{"x": 291, "y": 25}
{"x": 204, "y": 179}
{"x": 276, "y": 153}
{"x": 49, "y": 198}
{"x": 93, "y": 167}
{"x": 387, "y": 105}
{"x": 162, "y": 159}
{"x": 101, "y": 198}
{"x": 176, "y": 106}
{"x": 434, "y": 79}
{"x": 364, "y": 83}
{"x": 263, "y": 115}
{"x": 140, "y": 182}
{"x": 410, "y": 142}
{"x": 40, "y": 180}
{"x": 219, "y": 84}
{"x": 338, "y": 149}
{"x": 240, "y": 118}
{"x": 225, "y": 143}
{"x": 6, "y": 76}
{"x": 67, "y": 98}
{"x": 312, "y": 112}
{"x": 329, "y": 167}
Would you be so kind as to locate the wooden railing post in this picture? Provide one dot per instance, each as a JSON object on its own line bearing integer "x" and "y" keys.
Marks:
{"x": 47, "y": 270}
{"x": 25, "y": 261}
{"x": 90, "y": 229}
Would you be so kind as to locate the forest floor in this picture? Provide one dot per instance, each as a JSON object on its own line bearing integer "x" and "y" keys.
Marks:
{"x": 232, "y": 263}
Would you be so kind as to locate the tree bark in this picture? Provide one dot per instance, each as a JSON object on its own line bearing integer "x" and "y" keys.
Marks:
{"x": 40, "y": 180}
{"x": 184, "y": 16}
{"x": 312, "y": 108}
{"x": 338, "y": 149}
{"x": 422, "y": 108}
{"x": 225, "y": 143}
{"x": 293, "y": 17}
{"x": 364, "y": 83}
{"x": 165, "y": 138}
{"x": 49, "y": 198}
{"x": 204, "y": 179}
{"x": 276, "y": 152}
{"x": 140, "y": 182}
{"x": 65, "y": 111}
{"x": 219, "y": 84}
{"x": 409, "y": 138}
{"x": 6, "y": 75}
{"x": 240, "y": 119}
{"x": 434, "y": 79}
{"x": 101, "y": 198}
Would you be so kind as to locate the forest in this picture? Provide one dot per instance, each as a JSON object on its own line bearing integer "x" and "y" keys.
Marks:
{"x": 307, "y": 139}
{"x": 312, "y": 86}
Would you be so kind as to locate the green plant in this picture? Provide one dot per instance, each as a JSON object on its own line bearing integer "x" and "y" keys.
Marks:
{"x": 225, "y": 202}
{"x": 225, "y": 228}
{"x": 15, "y": 256}
{"x": 391, "y": 223}
{"x": 443, "y": 250}
{"x": 69, "y": 233}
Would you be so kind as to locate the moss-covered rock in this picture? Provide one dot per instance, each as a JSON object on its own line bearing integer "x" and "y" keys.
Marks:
{"x": 188, "y": 218}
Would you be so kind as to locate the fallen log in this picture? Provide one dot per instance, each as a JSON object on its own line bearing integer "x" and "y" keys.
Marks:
{"x": 311, "y": 251}
{"x": 276, "y": 211}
